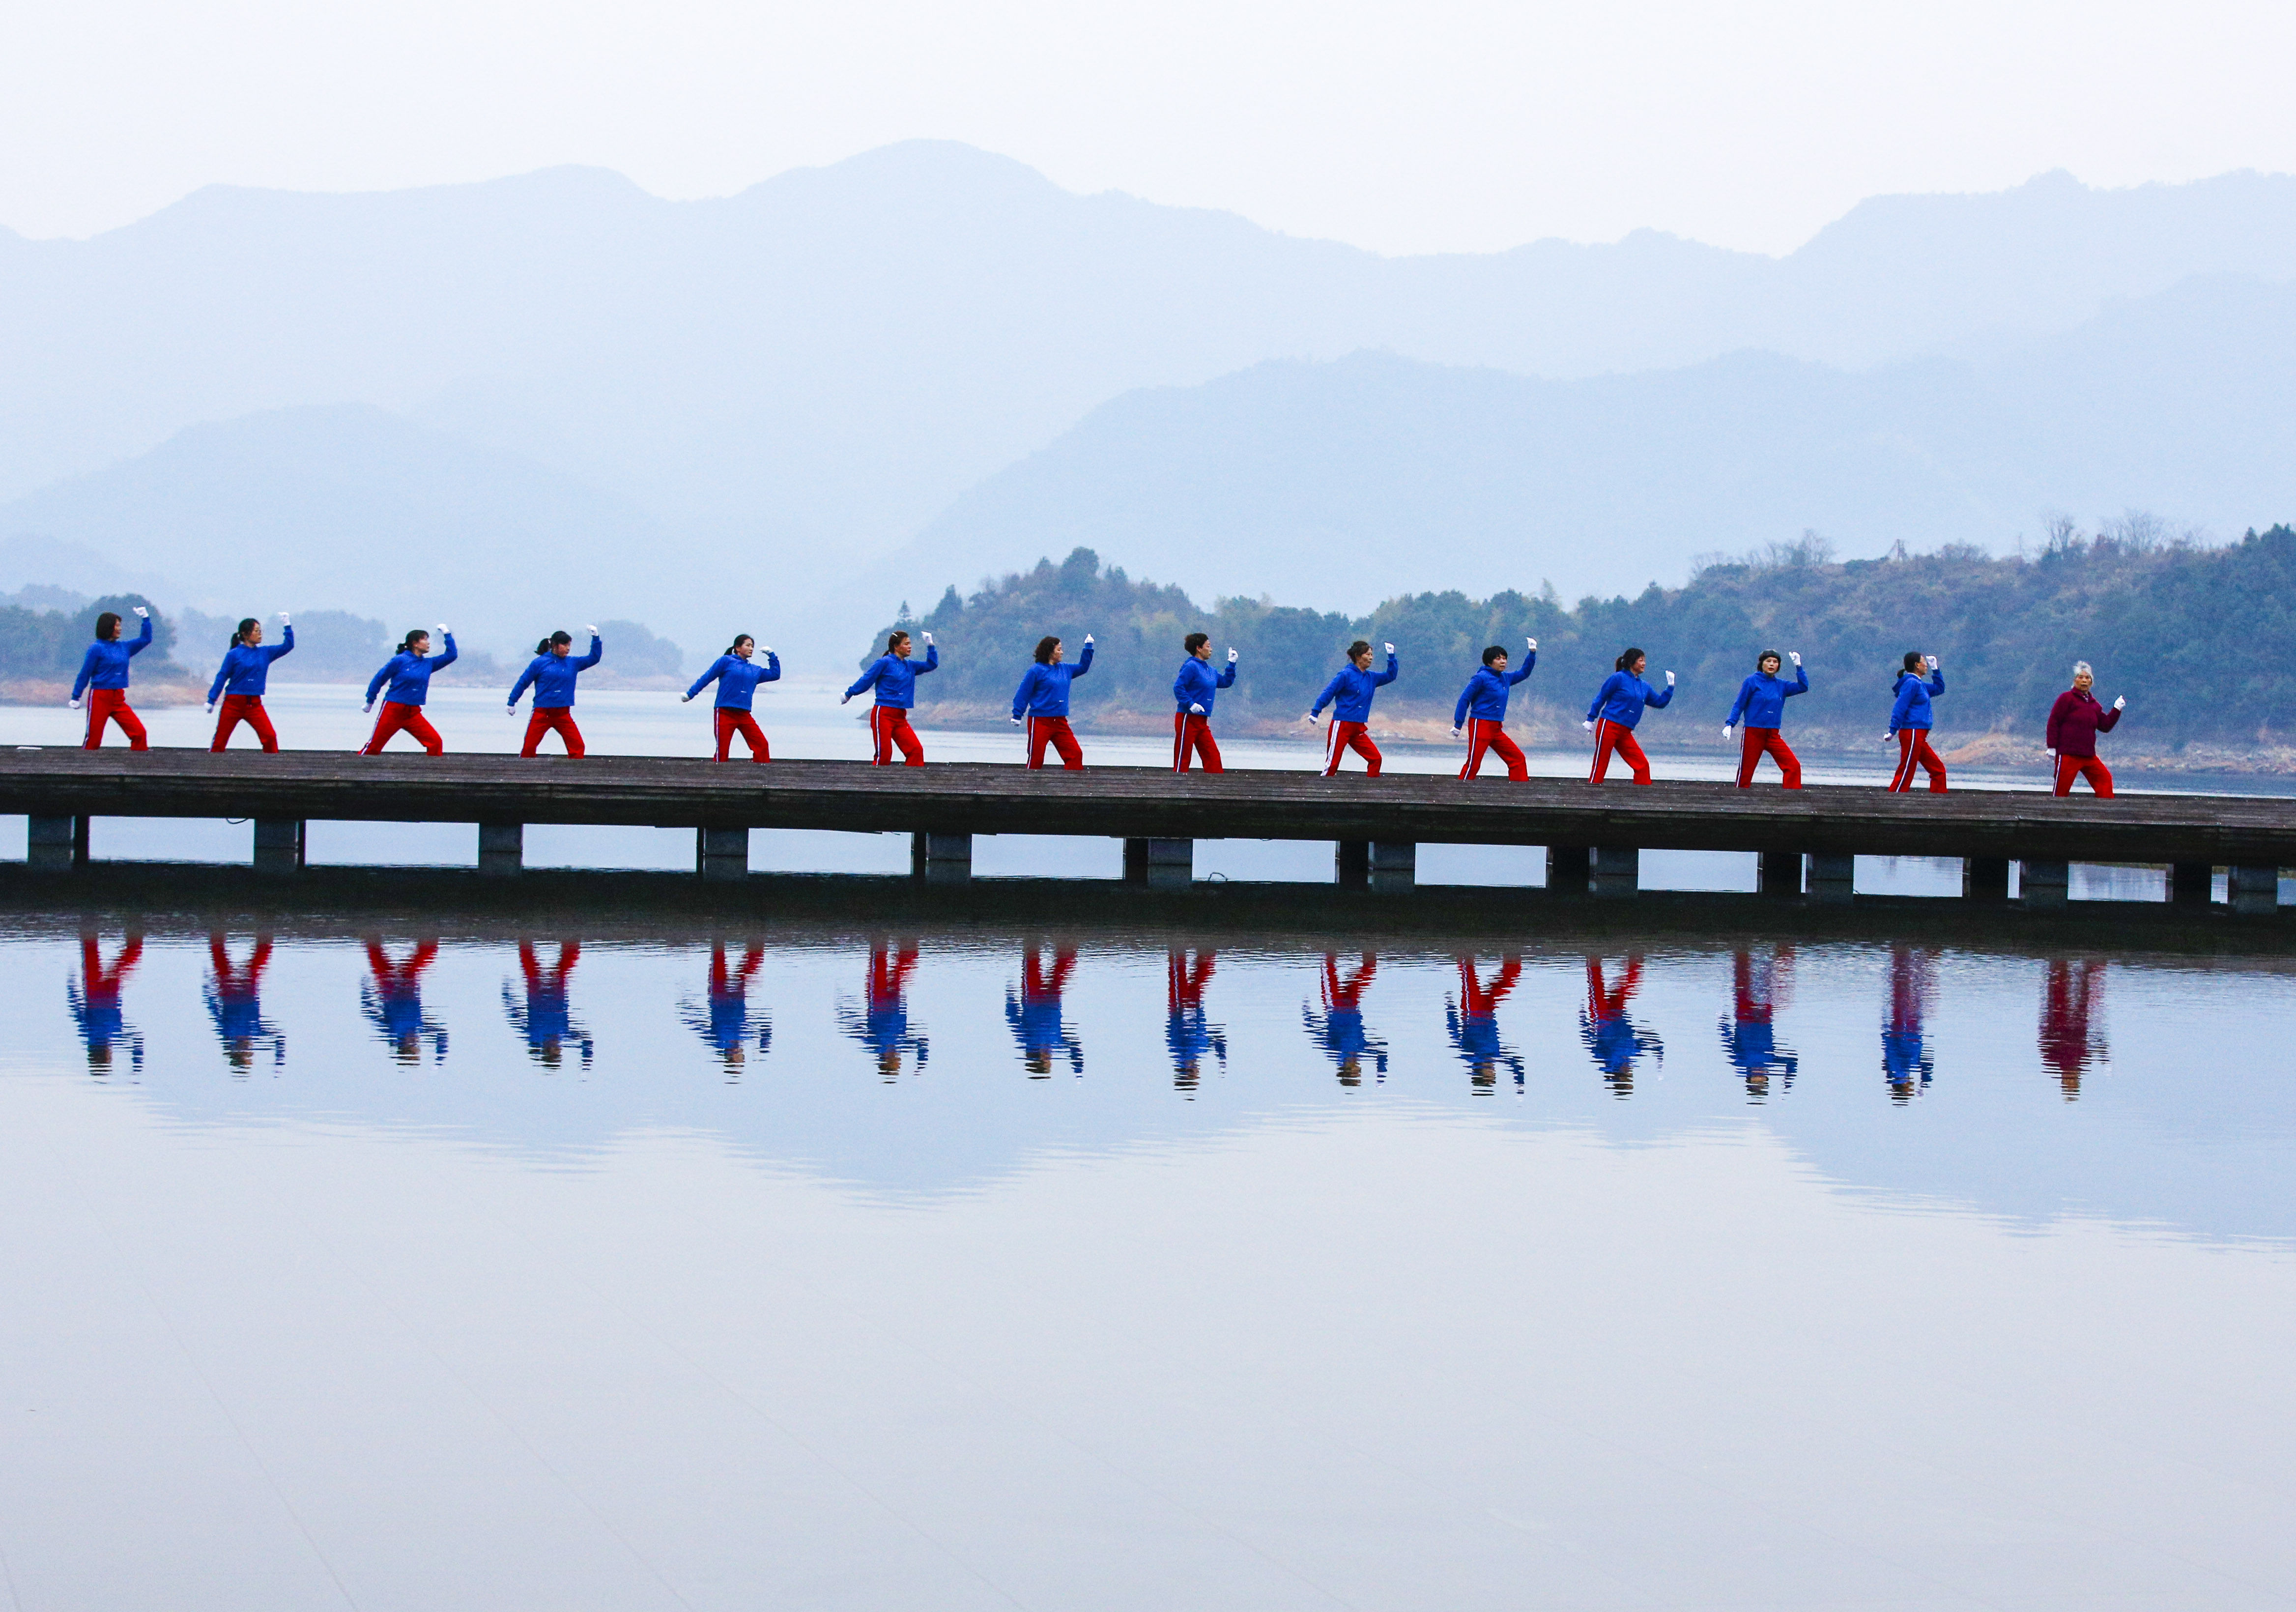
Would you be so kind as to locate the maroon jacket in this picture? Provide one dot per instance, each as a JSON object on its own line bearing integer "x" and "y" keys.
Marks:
{"x": 2074, "y": 723}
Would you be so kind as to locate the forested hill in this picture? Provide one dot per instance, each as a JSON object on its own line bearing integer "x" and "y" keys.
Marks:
{"x": 2202, "y": 640}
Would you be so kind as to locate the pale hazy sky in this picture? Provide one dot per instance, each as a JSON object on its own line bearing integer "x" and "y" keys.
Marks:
{"x": 1405, "y": 127}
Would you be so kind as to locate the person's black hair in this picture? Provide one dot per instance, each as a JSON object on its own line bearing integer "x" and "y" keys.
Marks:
{"x": 1044, "y": 647}
{"x": 106, "y": 625}
{"x": 740, "y": 639}
{"x": 1194, "y": 641}
{"x": 407, "y": 644}
{"x": 239, "y": 636}
{"x": 1913, "y": 660}
{"x": 1497, "y": 651}
{"x": 893, "y": 638}
{"x": 560, "y": 636}
{"x": 1768, "y": 655}
{"x": 1359, "y": 647}
{"x": 1627, "y": 659}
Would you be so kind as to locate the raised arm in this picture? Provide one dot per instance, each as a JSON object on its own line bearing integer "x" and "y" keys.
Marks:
{"x": 1800, "y": 684}
{"x": 772, "y": 671}
{"x": 142, "y": 641}
{"x": 1226, "y": 679}
{"x": 447, "y": 660}
{"x": 1084, "y": 660}
{"x": 1380, "y": 680}
{"x": 1659, "y": 699}
{"x": 932, "y": 656}
{"x": 597, "y": 650}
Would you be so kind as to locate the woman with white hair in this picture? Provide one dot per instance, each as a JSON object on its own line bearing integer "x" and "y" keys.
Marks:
{"x": 2074, "y": 723}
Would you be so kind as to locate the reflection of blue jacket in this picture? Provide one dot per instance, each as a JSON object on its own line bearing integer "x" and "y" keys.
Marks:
{"x": 105, "y": 664}
{"x": 1044, "y": 690}
{"x": 1340, "y": 1031}
{"x": 727, "y": 1024}
{"x": 1476, "y": 1038}
{"x": 885, "y": 1031}
{"x": 1485, "y": 696}
{"x": 553, "y": 677}
{"x": 246, "y": 666}
{"x": 102, "y": 1022}
{"x": 737, "y": 680}
{"x": 1762, "y": 699}
{"x": 1616, "y": 1042}
{"x": 396, "y": 1012}
{"x": 1914, "y": 695}
{"x": 1189, "y": 1034}
{"x": 1622, "y": 696}
{"x": 1905, "y": 1057}
{"x": 1196, "y": 683}
{"x": 895, "y": 678}
{"x": 1036, "y": 1025}
{"x": 1751, "y": 1046}
{"x": 409, "y": 675}
{"x": 1350, "y": 691}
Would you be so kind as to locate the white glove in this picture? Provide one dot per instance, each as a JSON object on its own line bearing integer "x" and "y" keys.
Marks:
{"x": 1794, "y": 656}
{"x": 1388, "y": 647}
{"x": 1195, "y": 711}
{"x": 1313, "y": 717}
{"x": 592, "y": 630}
{"x": 685, "y": 699}
{"x": 1016, "y": 721}
{"x": 1669, "y": 679}
{"x": 73, "y": 704}
{"x": 1886, "y": 737}
{"x": 141, "y": 612}
{"x": 848, "y": 700}
{"x": 1231, "y": 657}
{"x": 509, "y": 711}
{"x": 442, "y": 630}
{"x": 1726, "y": 731}
{"x": 2121, "y": 703}
{"x": 283, "y": 619}
{"x": 1589, "y": 727}
{"x": 210, "y": 704}
{"x": 1929, "y": 660}
{"x": 369, "y": 706}
{"x": 1534, "y": 645}
{"x": 1457, "y": 734}
{"x": 1087, "y": 637}
{"x": 768, "y": 651}
{"x": 929, "y": 640}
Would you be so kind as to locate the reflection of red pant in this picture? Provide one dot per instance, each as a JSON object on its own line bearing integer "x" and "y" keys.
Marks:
{"x": 1758, "y": 742}
{"x": 1192, "y": 736}
{"x": 1054, "y": 731}
{"x": 888, "y": 725}
{"x": 2100, "y": 779}
{"x": 1345, "y": 736}
{"x": 1913, "y": 751}
{"x": 1611, "y": 737}
{"x": 730, "y": 722}
{"x": 111, "y": 705}
{"x": 552, "y": 718}
{"x": 397, "y": 716}
{"x": 248, "y": 707}
{"x": 1484, "y": 735}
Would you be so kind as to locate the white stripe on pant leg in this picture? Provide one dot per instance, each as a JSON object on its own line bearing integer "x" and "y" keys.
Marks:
{"x": 1332, "y": 746}
{"x": 1595, "y": 767}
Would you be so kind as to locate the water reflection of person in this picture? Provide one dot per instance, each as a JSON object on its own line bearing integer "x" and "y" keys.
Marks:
{"x": 884, "y": 1024}
{"x": 1188, "y": 1033}
{"x": 96, "y": 1005}
{"x": 726, "y": 1022}
{"x": 1474, "y": 1025}
{"x": 547, "y": 1017}
{"x": 1614, "y": 1039}
{"x": 1339, "y": 1029}
{"x": 1905, "y": 1057}
{"x": 1035, "y": 1013}
{"x": 235, "y": 998}
{"x": 2069, "y": 1042}
{"x": 392, "y": 1002}
{"x": 1749, "y": 1039}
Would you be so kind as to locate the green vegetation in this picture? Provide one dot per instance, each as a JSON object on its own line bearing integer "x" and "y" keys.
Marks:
{"x": 45, "y": 645}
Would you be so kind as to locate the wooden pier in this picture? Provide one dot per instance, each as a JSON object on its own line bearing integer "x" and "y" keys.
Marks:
{"x": 1805, "y": 839}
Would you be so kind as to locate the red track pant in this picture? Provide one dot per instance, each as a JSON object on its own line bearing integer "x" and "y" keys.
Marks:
{"x": 1345, "y": 736}
{"x": 398, "y": 717}
{"x": 1758, "y": 742}
{"x": 1913, "y": 751}
{"x": 237, "y": 708}
{"x": 1054, "y": 731}
{"x": 1484, "y": 735}
{"x": 2100, "y": 779}
{"x": 111, "y": 705}
{"x": 730, "y": 722}
{"x": 552, "y": 718}
{"x": 1192, "y": 736}
{"x": 888, "y": 725}
{"x": 1611, "y": 738}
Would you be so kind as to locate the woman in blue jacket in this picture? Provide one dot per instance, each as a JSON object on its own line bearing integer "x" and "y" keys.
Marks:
{"x": 103, "y": 679}
{"x": 1042, "y": 702}
{"x": 407, "y": 677}
{"x": 737, "y": 677}
{"x": 1909, "y": 723}
{"x": 1193, "y": 690}
{"x": 239, "y": 679}
{"x": 1482, "y": 710}
{"x": 553, "y": 672}
{"x": 1349, "y": 694}
{"x": 1618, "y": 706}
{"x": 1761, "y": 702}
{"x": 894, "y": 676}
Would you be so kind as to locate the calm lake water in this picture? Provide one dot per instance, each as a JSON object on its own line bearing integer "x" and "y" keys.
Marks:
{"x": 612, "y": 1267}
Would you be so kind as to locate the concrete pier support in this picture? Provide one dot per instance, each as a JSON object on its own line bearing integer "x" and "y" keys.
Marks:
{"x": 278, "y": 845}
{"x": 1394, "y": 866}
{"x": 1160, "y": 864}
{"x": 1567, "y": 867}
{"x": 502, "y": 848}
{"x": 2044, "y": 883}
{"x": 1618, "y": 870}
{"x": 2254, "y": 889}
{"x": 2192, "y": 883}
{"x": 1985, "y": 879}
{"x": 1351, "y": 863}
{"x": 1832, "y": 879}
{"x": 1778, "y": 872}
{"x": 55, "y": 844}
{"x": 941, "y": 858}
{"x": 721, "y": 854}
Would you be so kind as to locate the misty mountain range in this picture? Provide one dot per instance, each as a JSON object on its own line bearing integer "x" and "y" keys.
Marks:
{"x": 555, "y": 396}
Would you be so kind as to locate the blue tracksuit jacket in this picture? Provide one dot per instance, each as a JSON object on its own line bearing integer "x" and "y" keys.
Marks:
{"x": 1914, "y": 695}
{"x": 1485, "y": 696}
{"x": 553, "y": 677}
{"x": 1350, "y": 691}
{"x": 105, "y": 665}
{"x": 1622, "y": 696}
{"x": 1762, "y": 699}
{"x": 409, "y": 676}
{"x": 1044, "y": 690}
{"x": 1197, "y": 684}
{"x": 246, "y": 666}
{"x": 737, "y": 680}
{"x": 895, "y": 678}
